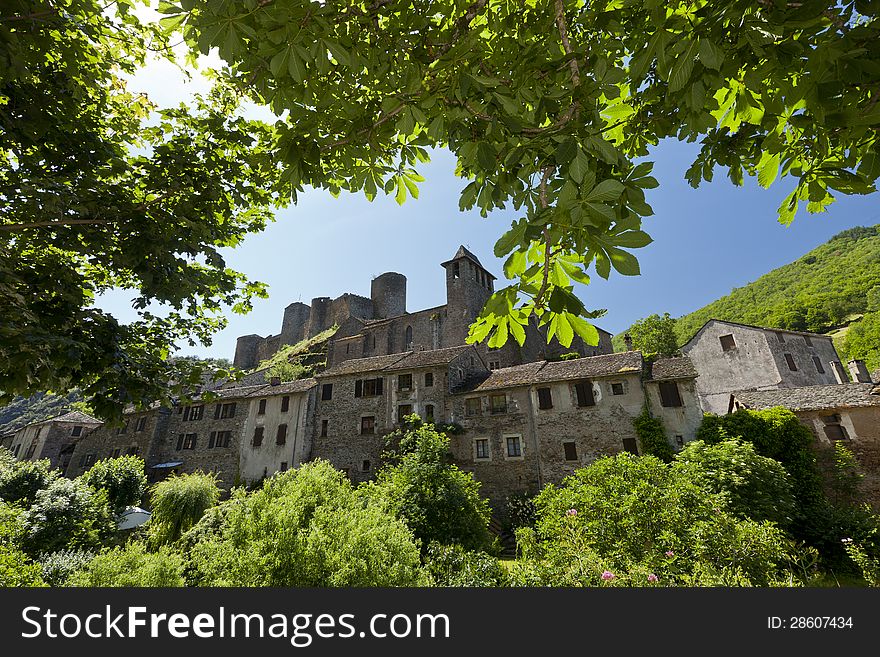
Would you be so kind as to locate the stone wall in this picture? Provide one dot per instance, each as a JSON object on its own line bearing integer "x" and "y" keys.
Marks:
{"x": 50, "y": 440}
{"x": 680, "y": 421}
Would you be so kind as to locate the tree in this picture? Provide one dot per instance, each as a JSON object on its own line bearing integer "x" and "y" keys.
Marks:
{"x": 132, "y": 566}
{"x": 304, "y": 527}
{"x": 122, "y": 479}
{"x": 654, "y": 335}
{"x": 548, "y": 105}
{"x": 102, "y": 191}
{"x": 20, "y": 481}
{"x": 862, "y": 341}
{"x": 179, "y": 502}
{"x": 436, "y": 500}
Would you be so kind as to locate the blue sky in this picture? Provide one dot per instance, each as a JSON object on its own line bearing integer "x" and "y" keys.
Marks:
{"x": 706, "y": 241}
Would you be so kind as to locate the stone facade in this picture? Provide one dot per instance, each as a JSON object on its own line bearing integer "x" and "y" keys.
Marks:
{"x": 54, "y": 439}
{"x": 276, "y": 434}
{"x": 731, "y": 357}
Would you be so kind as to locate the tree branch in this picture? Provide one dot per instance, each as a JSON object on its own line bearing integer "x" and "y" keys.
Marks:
{"x": 563, "y": 34}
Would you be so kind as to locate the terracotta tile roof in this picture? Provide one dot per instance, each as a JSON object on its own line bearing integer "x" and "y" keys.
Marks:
{"x": 358, "y": 365}
{"x": 673, "y": 368}
{"x": 239, "y": 392}
{"x": 813, "y": 398}
{"x": 507, "y": 377}
{"x": 429, "y": 358}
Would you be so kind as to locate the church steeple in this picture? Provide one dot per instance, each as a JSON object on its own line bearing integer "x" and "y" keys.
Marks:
{"x": 468, "y": 286}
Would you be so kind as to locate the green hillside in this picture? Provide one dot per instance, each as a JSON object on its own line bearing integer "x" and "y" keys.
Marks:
{"x": 835, "y": 288}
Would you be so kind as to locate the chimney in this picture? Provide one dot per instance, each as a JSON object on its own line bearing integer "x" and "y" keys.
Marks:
{"x": 628, "y": 341}
{"x": 839, "y": 372}
{"x": 275, "y": 381}
{"x": 859, "y": 371}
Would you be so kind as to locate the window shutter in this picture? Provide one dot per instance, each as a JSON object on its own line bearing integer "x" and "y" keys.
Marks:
{"x": 179, "y": 442}
{"x": 232, "y": 409}
{"x": 281, "y": 436}
{"x": 285, "y": 404}
{"x": 669, "y": 395}
{"x": 217, "y": 409}
{"x": 379, "y": 385}
{"x": 358, "y": 388}
{"x": 212, "y": 439}
{"x": 186, "y": 414}
{"x": 584, "y": 391}
{"x": 545, "y": 398}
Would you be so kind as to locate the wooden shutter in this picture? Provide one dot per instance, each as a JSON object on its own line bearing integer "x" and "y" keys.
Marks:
{"x": 212, "y": 439}
{"x": 585, "y": 396}
{"x": 545, "y": 398}
{"x": 285, "y": 404}
{"x": 379, "y": 382}
{"x": 179, "y": 442}
{"x": 669, "y": 395}
{"x": 217, "y": 410}
{"x": 281, "y": 436}
{"x": 358, "y": 388}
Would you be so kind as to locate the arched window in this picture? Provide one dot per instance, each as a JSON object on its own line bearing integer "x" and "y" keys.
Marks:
{"x": 407, "y": 342}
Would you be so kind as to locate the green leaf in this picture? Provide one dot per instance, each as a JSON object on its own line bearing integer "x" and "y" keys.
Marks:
{"x": 768, "y": 169}
{"x": 624, "y": 262}
{"x": 564, "y": 331}
{"x": 634, "y": 239}
{"x": 566, "y": 151}
{"x": 682, "y": 69}
{"x": 510, "y": 240}
{"x": 607, "y": 190}
{"x": 277, "y": 63}
{"x": 400, "y": 197}
{"x": 519, "y": 333}
{"x": 339, "y": 53}
{"x": 586, "y": 331}
{"x": 499, "y": 338}
{"x": 710, "y": 55}
{"x": 579, "y": 166}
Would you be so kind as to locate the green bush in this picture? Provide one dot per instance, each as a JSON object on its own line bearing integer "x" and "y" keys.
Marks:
{"x": 58, "y": 567}
{"x": 452, "y": 565}
{"x": 757, "y": 487}
{"x": 66, "y": 515}
{"x": 22, "y": 480}
{"x": 304, "y": 527}
{"x": 439, "y": 502}
{"x": 122, "y": 478}
{"x": 652, "y": 436}
{"x": 16, "y": 568}
{"x": 132, "y": 565}
{"x": 178, "y": 503}
{"x": 635, "y": 520}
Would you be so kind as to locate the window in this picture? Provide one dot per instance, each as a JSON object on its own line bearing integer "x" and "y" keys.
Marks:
{"x": 186, "y": 441}
{"x": 283, "y": 466}
{"x": 404, "y": 382}
{"x": 192, "y": 413}
{"x": 261, "y": 407}
{"x": 780, "y": 337}
{"x": 584, "y": 391}
{"x": 429, "y": 379}
{"x": 326, "y": 391}
{"x": 727, "y": 342}
{"x": 219, "y": 439}
{"x": 456, "y": 270}
{"x": 472, "y": 406}
{"x": 498, "y": 403}
{"x": 124, "y": 428}
{"x": 369, "y": 387}
{"x": 402, "y": 411}
{"x": 87, "y": 460}
{"x": 630, "y": 445}
{"x": 481, "y": 448}
{"x": 281, "y": 435}
{"x": 833, "y": 428}
{"x": 617, "y": 389}
{"x": 790, "y": 360}
{"x": 285, "y": 404}
{"x": 324, "y": 425}
{"x": 116, "y": 452}
{"x": 141, "y": 423}
{"x": 514, "y": 447}
{"x": 669, "y": 395}
{"x": 818, "y": 362}
{"x": 808, "y": 341}
{"x": 494, "y": 365}
{"x": 365, "y": 466}
{"x": 368, "y": 425}
{"x": 223, "y": 411}
{"x": 258, "y": 437}
{"x": 76, "y": 431}
{"x": 679, "y": 440}
{"x": 429, "y": 412}
{"x": 407, "y": 341}
{"x": 545, "y": 398}
{"x": 571, "y": 453}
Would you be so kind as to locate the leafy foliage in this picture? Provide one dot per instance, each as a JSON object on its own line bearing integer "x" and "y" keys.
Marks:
{"x": 652, "y": 335}
{"x": 756, "y": 487}
{"x": 652, "y": 436}
{"x": 304, "y": 527}
{"x": 59, "y": 567}
{"x": 122, "y": 479}
{"x": 547, "y": 105}
{"x": 20, "y": 481}
{"x": 22, "y": 411}
{"x": 862, "y": 341}
{"x": 134, "y": 566}
{"x": 179, "y": 502}
{"x": 435, "y": 499}
{"x": 452, "y": 565}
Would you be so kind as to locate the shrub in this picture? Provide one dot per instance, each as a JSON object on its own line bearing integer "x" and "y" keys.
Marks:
{"x": 452, "y": 565}
{"x": 435, "y": 499}
{"x": 178, "y": 503}
{"x": 22, "y": 480}
{"x": 66, "y": 515}
{"x": 652, "y": 436}
{"x": 58, "y": 567}
{"x": 304, "y": 527}
{"x": 122, "y": 478}
{"x": 132, "y": 565}
{"x": 757, "y": 487}
{"x": 16, "y": 569}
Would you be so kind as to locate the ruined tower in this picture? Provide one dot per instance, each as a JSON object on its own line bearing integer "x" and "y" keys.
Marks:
{"x": 388, "y": 293}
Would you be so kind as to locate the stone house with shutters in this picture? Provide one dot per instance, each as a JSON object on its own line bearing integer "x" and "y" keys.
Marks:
{"x": 54, "y": 439}
{"x": 277, "y": 432}
{"x": 848, "y": 413}
{"x": 732, "y": 357}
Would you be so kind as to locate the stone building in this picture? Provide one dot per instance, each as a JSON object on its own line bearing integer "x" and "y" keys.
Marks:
{"x": 139, "y": 435}
{"x": 381, "y": 325}
{"x": 848, "y": 412}
{"x": 276, "y": 434}
{"x": 54, "y": 439}
{"x": 731, "y": 357}
{"x": 359, "y": 401}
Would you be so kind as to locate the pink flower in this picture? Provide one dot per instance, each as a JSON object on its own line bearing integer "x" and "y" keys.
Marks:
{"x": 670, "y": 553}
{"x": 652, "y": 578}
{"x": 571, "y": 512}
{"x": 607, "y": 575}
